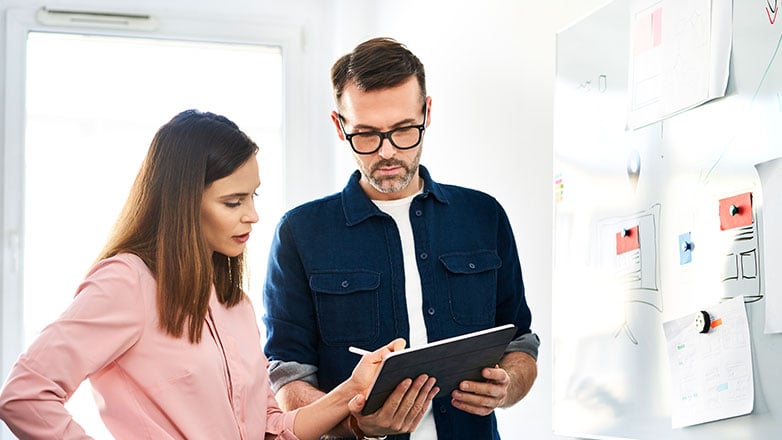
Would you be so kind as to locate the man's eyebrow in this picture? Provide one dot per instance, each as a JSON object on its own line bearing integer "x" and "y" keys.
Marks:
{"x": 402, "y": 123}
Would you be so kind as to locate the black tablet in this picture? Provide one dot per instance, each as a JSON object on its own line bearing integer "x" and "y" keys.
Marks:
{"x": 450, "y": 361}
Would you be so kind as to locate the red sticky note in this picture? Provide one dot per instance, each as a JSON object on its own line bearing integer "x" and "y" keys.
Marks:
{"x": 628, "y": 241}
{"x": 736, "y": 211}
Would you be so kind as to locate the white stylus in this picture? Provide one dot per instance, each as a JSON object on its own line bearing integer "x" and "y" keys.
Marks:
{"x": 358, "y": 351}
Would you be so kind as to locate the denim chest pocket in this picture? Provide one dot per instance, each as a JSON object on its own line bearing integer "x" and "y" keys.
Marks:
{"x": 347, "y": 305}
{"x": 472, "y": 286}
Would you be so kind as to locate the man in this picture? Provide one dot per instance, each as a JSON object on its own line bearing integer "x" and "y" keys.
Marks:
{"x": 395, "y": 254}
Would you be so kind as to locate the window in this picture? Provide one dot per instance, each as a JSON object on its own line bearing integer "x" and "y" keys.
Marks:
{"x": 92, "y": 104}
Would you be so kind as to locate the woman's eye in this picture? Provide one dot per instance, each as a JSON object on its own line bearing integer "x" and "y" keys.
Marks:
{"x": 233, "y": 204}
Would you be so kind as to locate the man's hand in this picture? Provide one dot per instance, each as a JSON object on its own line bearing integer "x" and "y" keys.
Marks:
{"x": 505, "y": 385}
{"x": 481, "y": 398}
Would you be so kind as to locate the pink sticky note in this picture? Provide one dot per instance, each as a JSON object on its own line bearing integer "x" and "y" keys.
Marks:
{"x": 648, "y": 31}
{"x": 657, "y": 27}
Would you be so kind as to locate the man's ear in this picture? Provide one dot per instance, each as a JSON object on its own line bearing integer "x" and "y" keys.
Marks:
{"x": 335, "y": 121}
{"x": 428, "y": 111}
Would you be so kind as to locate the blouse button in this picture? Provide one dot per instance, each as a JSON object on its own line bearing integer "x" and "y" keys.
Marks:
{"x": 424, "y": 255}
{"x": 430, "y": 311}
{"x": 418, "y": 213}
{"x": 345, "y": 284}
{"x": 471, "y": 266}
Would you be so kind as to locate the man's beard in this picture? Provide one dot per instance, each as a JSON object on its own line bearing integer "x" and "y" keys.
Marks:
{"x": 393, "y": 184}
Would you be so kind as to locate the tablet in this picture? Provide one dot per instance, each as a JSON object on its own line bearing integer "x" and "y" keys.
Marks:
{"x": 450, "y": 361}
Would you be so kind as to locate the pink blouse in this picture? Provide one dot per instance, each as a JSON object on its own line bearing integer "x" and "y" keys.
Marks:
{"x": 149, "y": 385}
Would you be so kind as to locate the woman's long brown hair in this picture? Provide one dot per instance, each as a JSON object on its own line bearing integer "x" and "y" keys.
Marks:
{"x": 161, "y": 220}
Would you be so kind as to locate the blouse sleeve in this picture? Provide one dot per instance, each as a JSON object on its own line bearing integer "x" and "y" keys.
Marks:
{"x": 279, "y": 424}
{"x": 103, "y": 321}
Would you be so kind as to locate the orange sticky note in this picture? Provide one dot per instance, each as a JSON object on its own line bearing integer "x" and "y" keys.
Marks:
{"x": 627, "y": 241}
{"x": 736, "y": 211}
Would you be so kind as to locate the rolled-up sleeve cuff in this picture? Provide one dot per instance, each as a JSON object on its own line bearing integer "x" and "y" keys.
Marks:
{"x": 526, "y": 343}
{"x": 281, "y": 373}
{"x": 286, "y": 433}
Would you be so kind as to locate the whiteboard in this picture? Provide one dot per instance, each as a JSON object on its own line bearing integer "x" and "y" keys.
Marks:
{"x": 610, "y": 372}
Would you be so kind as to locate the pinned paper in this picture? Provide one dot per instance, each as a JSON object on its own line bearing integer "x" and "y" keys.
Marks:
{"x": 711, "y": 372}
{"x": 770, "y": 173}
{"x": 627, "y": 240}
{"x": 736, "y": 211}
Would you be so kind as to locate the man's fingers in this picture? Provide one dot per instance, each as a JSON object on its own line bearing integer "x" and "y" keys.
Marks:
{"x": 496, "y": 374}
{"x": 421, "y": 404}
{"x": 415, "y": 395}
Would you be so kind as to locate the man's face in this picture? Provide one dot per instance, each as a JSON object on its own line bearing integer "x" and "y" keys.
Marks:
{"x": 388, "y": 173}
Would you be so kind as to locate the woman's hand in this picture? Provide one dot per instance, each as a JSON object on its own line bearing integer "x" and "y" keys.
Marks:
{"x": 405, "y": 406}
{"x": 366, "y": 370}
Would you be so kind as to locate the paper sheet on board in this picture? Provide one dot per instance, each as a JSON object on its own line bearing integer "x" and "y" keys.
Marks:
{"x": 770, "y": 173}
{"x": 711, "y": 373}
{"x": 680, "y": 56}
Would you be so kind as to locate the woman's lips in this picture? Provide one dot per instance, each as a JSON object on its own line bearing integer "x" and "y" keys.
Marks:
{"x": 242, "y": 238}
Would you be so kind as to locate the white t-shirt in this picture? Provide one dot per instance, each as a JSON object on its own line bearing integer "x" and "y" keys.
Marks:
{"x": 399, "y": 210}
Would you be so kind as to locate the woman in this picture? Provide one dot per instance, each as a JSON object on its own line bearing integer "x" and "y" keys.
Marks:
{"x": 161, "y": 325}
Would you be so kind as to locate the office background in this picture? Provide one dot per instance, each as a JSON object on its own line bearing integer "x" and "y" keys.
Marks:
{"x": 490, "y": 68}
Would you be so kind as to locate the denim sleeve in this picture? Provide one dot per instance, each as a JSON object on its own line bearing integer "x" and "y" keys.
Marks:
{"x": 289, "y": 316}
{"x": 511, "y": 301}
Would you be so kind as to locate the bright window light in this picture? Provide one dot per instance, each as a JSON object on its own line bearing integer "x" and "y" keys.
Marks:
{"x": 93, "y": 106}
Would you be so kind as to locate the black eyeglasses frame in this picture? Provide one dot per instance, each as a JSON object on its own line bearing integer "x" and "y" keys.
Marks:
{"x": 383, "y": 135}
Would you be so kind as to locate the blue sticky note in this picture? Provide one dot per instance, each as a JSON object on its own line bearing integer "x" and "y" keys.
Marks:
{"x": 685, "y": 248}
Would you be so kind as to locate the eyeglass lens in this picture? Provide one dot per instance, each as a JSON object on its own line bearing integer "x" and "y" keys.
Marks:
{"x": 403, "y": 137}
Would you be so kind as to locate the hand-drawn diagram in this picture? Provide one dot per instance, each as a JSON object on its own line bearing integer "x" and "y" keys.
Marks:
{"x": 636, "y": 270}
{"x": 740, "y": 274}
{"x": 611, "y": 294}
{"x": 772, "y": 10}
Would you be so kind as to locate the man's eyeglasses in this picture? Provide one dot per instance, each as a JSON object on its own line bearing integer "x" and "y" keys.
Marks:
{"x": 368, "y": 142}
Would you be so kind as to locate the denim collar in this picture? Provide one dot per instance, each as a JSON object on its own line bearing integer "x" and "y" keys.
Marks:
{"x": 357, "y": 206}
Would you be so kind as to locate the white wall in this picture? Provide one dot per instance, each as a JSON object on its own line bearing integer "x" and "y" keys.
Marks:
{"x": 490, "y": 69}
{"x": 490, "y": 72}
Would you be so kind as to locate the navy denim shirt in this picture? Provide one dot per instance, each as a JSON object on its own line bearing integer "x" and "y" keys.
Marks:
{"x": 336, "y": 279}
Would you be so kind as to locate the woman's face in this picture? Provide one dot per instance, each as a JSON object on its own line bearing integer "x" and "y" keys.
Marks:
{"x": 228, "y": 210}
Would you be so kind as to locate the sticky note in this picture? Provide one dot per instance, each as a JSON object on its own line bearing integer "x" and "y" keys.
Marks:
{"x": 627, "y": 240}
{"x": 685, "y": 248}
{"x": 647, "y": 31}
{"x": 736, "y": 211}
